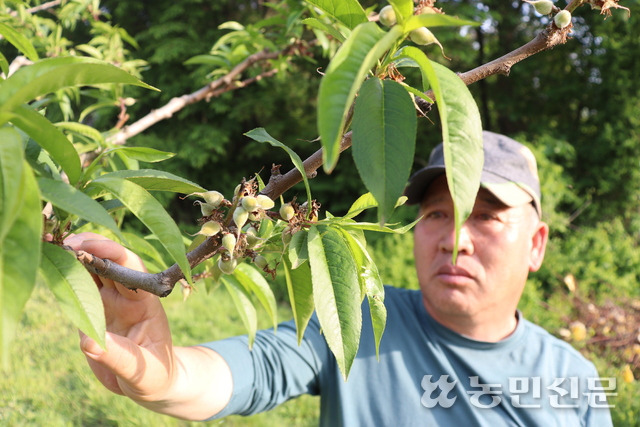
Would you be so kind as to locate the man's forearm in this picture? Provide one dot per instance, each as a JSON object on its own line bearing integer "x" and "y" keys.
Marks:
{"x": 202, "y": 387}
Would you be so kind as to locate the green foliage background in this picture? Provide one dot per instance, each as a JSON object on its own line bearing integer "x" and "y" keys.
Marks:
{"x": 577, "y": 106}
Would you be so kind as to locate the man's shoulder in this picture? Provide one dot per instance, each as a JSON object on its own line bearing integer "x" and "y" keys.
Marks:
{"x": 560, "y": 349}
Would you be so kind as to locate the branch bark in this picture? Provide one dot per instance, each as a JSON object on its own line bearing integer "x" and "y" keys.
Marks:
{"x": 162, "y": 283}
{"x": 213, "y": 89}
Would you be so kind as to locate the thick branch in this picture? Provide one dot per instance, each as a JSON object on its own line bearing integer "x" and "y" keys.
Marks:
{"x": 159, "y": 283}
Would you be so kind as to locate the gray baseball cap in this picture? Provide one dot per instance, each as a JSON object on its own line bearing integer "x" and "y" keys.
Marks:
{"x": 509, "y": 172}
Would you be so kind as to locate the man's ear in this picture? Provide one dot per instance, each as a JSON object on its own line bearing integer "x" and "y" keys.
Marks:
{"x": 538, "y": 246}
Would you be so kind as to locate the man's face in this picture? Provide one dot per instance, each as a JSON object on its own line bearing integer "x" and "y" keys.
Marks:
{"x": 498, "y": 246}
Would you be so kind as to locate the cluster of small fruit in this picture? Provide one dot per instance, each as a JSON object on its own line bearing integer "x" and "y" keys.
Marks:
{"x": 237, "y": 223}
{"x": 562, "y": 19}
{"x": 421, "y": 36}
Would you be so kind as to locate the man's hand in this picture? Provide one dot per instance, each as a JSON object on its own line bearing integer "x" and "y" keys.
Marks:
{"x": 140, "y": 360}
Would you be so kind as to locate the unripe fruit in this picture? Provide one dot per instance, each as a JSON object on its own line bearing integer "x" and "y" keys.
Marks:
{"x": 205, "y": 208}
{"x": 214, "y": 198}
{"x": 229, "y": 242}
{"x": 260, "y": 261}
{"x": 210, "y": 228}
{"x": 236, "y": 190}
{"x": 287, "y": 212}
{"x": 387, "y": 16}
{"x": 265, "y": 202}
{"x": 543, "y": 7}
{"x": 240, "y": 217}
{"x": 256, "y": 216}
{"x": 249, "y": 203}
{"x": 562, "y": 19}
{"x": 227, "y": 266}
{"x": 422, "y": 36}
{"x": 252, "y": 237}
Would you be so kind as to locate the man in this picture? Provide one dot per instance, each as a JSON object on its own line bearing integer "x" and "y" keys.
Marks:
{"x": 457, "y": 352}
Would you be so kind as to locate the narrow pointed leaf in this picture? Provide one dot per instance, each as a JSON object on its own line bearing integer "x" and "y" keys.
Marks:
{"x": 50, "y": 138}
{"x": 461, "y": 135}
{"x": 336, "y": 293}
{"x": 300, "y": 290}
{"x": 338, "y": 88}
{"x": 144, "y": 154}
{"x": 261, "y": 135}
{"x": 364, "y": 202}
{"x": 51, "y": 74}
{"x": 156, "y": 180}
{"x": 151, "y": 213}
{"x": 255, "y": 283}
{"x": 370, "y": 226}
{"x": 319, "y": 25}
{"x": 74, "y": 201}
{"x": 75, "y": 291}
{"x": 349, "y": 12}
{"x": 383, "y": 141}
{"x": 371, "y": 285}
{"x": 298, "y": 252}
{"x": 19, "y": 41}
{"x": 11, "y": 165}
{"x": 243, "y": 304}
{"x": 19, "y": 258}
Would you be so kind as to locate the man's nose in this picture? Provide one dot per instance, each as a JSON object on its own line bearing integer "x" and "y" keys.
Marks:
{"x": 448, "y": 239}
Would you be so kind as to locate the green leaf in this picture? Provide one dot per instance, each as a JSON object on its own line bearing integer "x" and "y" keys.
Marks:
{"x": 435, "y": 20}
{"x": 151, "y": 213}
{"x": 254, "y": 282}
{"x": 371, "y": 285}
{"x": 300, "y": 291}
{"x": 403, "y": 9}
{"x": 261, "y": 135}
{"x": 144, "y": 154}
{"x": 298, "y": 252}
{"x": 370, "y": 226}
{"x": 156, "y": 180}
{"x": 11, "y": 191}
{"x": 336, "y": 293}
{"x": 461, "y": 134}
{"x": 383, "y": 141}
{"x": 74, "y": 201}
{"x": 364, "y": 202}
{"x": 50, "y": 138}
{"x": 319, "y": 25}
{"x": 4, "y": 65}
{"x": 51, "y": 74}
{"x": 338, "y": 88}
{"x": 349, "y": 12}
{"x": 142, "y": 247}
{"x": 75, "y": 291}
{"x": 244, "y": 306}
{"x": 84, "y": 130}
{"x": 19, "y": 257}
{"x": 19, "y": 41}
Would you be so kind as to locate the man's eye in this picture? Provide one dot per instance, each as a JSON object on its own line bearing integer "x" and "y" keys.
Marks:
{"x": 484, "y": 216}
{"x": 434, "y": 215}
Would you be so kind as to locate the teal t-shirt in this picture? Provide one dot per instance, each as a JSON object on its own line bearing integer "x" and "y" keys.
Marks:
{"x": 427, "y": 375}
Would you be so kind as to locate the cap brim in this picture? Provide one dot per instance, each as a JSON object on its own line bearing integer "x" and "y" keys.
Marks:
{"x": 419, "y": 182}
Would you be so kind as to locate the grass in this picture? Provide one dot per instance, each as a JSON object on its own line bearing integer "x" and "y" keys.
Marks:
{"x": 50, "y": 384}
